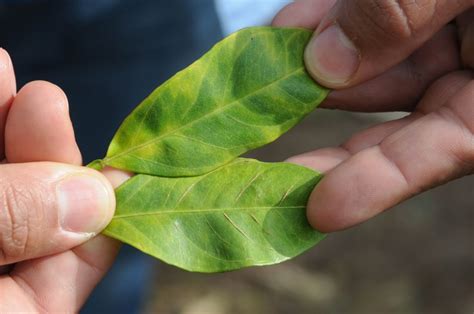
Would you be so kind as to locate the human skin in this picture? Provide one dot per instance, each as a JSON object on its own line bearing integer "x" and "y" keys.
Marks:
{"x": 49, "y": 259}
{"x": 388, "y": 55}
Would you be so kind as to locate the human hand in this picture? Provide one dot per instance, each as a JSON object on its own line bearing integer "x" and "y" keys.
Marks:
{"x": 47, "y": 209}
{"x": 390, "y": 53}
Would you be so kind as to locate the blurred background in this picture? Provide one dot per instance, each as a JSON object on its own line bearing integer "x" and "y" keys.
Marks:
{"x": 109, "y": 54}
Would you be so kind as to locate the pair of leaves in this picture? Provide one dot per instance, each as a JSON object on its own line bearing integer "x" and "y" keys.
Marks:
{"x": 193, "y": 204}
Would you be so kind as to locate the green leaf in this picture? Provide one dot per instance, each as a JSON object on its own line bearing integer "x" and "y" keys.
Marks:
{"x": 96, "y": 164}
{"x": 244, "y": 93}
{"x": 242, "y": 214}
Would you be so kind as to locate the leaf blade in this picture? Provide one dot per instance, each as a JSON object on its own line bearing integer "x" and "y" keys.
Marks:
{"x": 244, "y": 93}
{"x": 223, "y": 220}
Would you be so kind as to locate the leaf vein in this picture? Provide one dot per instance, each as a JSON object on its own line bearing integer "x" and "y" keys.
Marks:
{"x": 236, "y": 227}
{"x": 220, "y": 109}
{"x": 203, "y": 210}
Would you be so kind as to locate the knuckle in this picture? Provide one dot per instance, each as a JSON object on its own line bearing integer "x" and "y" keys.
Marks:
{"x": 17, "y": 221}
{"x": 397, "y": 19}
{"x": 461, "y": 119}
{"x": 464, "y": 111}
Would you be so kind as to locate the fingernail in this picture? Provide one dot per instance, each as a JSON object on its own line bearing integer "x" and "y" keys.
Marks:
{"x": 4, "y": 58}
{"x": 84, "y": 204}
{"x": 6, "y": 65}
{"x": 331, "y": 57}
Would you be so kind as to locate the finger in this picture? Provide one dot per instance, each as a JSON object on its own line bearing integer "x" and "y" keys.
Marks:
{"x": 7, "y": 93}
{"x": 465, "y": 24}
{"x": 116, "y": 177}
{"x": 434, "y": 149}
{"x": 325, "y": 159}
{"x": 79, "y": 269}
{"x": 304, "y": 13}
{"x": 322, "y": 160}
{"x": 358, "y": 40}
{"x": 48, "y": 208}
{"x": 59, "y": 283}
{"x": 38, "y": 127}
{"x": 401, "y": 87}
{"x": 437, "y": 95}
{"x": 443, "y": 90}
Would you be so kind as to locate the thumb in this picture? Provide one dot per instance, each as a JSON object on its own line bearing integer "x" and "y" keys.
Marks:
{"x": 359, "y": 40}
{"x": 47, "y": 208}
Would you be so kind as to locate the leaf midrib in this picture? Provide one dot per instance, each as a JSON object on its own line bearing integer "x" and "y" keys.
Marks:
{"x": 219, "y": 109}
{"x": 204, "y": 210}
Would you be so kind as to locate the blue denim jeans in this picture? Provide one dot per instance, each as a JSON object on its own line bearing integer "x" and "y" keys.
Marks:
{"x": 107, "y": 55}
